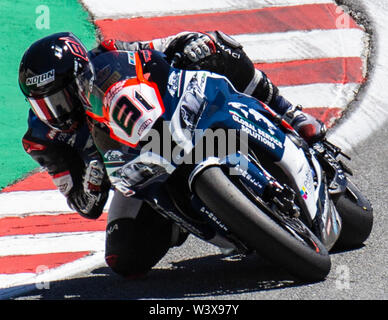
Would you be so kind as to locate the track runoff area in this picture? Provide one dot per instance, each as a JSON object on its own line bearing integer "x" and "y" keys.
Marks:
{"x": 311, "y": 49}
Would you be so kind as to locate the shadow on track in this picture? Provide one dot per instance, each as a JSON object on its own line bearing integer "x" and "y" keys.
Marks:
{"x": 197, "y": 278}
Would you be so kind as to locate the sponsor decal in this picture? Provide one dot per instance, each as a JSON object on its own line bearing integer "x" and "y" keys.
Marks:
{"x": 203, "y": 81}
{"x": 255, "y": 132}
{"x": 146, "y": 55}
{"x": 75, "y": 48}
{"x": 41, "y": 79}
{"x": 144, "y": 126}
{"x": 131, "y": 58}
{"x": 240, "y": 106}
{"x": 304, "y": 193}
{"x": 246, "y": 111}
{"x": 173, "y": 82}
{"x": 52, "y": 134}
{"x": 30, "y": 146}
{"x": 114, "y": 157}
{"x": 112, "y": 228}
{"x": 192, "y": 104}
{"x": 259, "y": 117}
{"x": 178, "y": 220}
{"x": 229, "y": 51}
{"x": 308, "y": 184}
{"x": 214, "y": 218}
{"x": 246, "y": 175}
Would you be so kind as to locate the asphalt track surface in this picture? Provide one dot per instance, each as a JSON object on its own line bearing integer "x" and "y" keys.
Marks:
{"x": 197, "y": 270}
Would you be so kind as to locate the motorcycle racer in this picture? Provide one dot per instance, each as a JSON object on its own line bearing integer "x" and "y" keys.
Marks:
{"x": 58, "y": 135}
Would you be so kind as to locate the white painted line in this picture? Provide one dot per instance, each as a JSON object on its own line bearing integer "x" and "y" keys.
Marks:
{"x": 320, "y": 95}
{"x": 52, "y": 243}
{"x": 12, "y": 285}
{"x": 115, "y": 9}
{"x": 302, "y": 45}
{"x": 23, "y": 203}
{"x": 27, "y": 202}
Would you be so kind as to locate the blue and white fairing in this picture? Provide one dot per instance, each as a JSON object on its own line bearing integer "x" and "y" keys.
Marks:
{"x": 200, "y": 100}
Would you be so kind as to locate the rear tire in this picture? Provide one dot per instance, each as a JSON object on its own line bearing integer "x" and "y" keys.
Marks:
{"x": 303, "y": 259}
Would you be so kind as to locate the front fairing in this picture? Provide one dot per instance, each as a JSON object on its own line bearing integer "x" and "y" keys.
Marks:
{"x": 218, "y": 105}
{"x": 122, "y": 107}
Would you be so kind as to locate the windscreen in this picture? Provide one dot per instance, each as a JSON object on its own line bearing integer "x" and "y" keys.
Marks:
{"x": 104, "y": 71}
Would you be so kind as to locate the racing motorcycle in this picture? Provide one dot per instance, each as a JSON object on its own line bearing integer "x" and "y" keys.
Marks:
{"x": 270, "y": 193}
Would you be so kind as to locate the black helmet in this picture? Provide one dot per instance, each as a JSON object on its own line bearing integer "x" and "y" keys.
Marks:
{"x": 47, "y": 78}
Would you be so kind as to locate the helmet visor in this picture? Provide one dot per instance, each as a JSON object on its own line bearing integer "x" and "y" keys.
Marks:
{"x": 57, "y": 110}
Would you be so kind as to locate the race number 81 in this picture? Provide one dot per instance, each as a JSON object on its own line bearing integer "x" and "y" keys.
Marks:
{"x": 126, "y": 114}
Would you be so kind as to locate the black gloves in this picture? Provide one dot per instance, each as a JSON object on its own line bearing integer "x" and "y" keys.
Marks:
{"x": 89, "y": 197}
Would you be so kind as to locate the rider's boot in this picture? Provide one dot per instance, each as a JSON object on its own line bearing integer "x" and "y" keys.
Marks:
{"x": 308, "y": 127}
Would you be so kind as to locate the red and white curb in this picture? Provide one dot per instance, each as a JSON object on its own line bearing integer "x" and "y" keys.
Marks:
{"x": 311, "y": 49}
{"x": 370, "y": 110}
{"x": 41, "y": 239}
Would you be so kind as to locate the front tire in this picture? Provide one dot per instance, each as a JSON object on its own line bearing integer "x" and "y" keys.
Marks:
{"x": 279, "y": 244}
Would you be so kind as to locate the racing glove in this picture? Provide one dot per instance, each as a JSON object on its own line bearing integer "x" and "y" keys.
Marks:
{"x": 90, "y": 196}
{"x": 199, "y": 47}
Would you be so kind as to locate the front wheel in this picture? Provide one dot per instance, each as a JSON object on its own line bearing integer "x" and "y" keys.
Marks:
{"x": 288, "y": 243}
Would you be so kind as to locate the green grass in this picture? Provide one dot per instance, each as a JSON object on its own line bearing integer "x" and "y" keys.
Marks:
{"x": 18, "y": 28}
